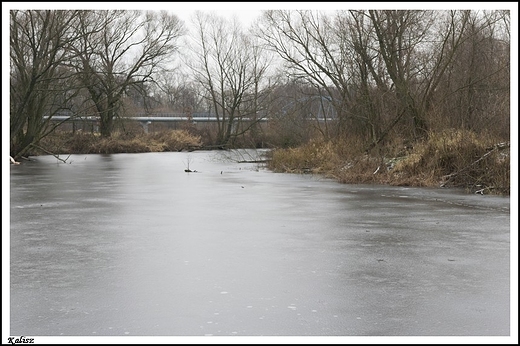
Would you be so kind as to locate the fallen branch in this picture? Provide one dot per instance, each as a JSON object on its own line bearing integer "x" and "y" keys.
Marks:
{"x": 254, "y": 161}
{"x": 500, "y": 146}
{"x": 481, "y": 191}
{"x": 50, "y": 153}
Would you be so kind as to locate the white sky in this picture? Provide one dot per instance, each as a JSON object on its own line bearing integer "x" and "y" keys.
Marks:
{"x": 247, "y": 12}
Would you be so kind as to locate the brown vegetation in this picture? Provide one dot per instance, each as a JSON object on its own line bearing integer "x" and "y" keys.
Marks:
{"x": 87, "y": 143}
{"x": 447, "y": 159}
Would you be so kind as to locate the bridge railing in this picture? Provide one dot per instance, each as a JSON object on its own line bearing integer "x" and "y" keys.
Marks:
{"x": 170, "y": 117}
{"x": 177, "y": 115}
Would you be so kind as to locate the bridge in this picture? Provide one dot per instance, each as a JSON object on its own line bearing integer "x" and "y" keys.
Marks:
{"x": 153, "y": 118}
{"x": 146, "y": 120}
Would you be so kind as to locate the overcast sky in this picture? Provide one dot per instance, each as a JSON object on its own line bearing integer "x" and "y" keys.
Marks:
{"x": 247, "y": 12}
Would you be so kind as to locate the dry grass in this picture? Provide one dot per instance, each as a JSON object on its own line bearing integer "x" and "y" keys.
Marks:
{"x": 314, "y": 157}
{"x": 176, "y": 140}
{"x": 458, "y": 158}
{"x": 81, "y": 143}
{"x": 449, "y": 158}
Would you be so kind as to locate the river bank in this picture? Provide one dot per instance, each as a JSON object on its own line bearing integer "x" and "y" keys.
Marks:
{"x": 448, "y": 159}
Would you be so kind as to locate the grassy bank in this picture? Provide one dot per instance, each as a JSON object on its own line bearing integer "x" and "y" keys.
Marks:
{"x": 87, "y": 143}
{"x": 448, "y": 159}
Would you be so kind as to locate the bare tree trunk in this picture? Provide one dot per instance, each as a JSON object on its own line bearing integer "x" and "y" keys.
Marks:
{"x": 40, "y": 84}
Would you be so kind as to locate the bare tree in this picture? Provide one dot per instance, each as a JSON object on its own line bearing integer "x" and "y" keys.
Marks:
{"x": 179, "y": 93}
{"x": 40, "y": 83}
{"x": 119, "y": 50}
{"x": 230, "y": 69}
{"x": 404, "y": 56}
{"x": 379, "y": 68}
{"x": 399, "y": 35}
{"x": 475, "y": 88}
{"x": 313, "y": 51}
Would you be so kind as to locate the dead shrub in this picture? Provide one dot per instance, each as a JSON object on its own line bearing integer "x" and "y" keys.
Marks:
{"x": 457, "y": 158}
{"x": 317, "y": 156}
{"x": 176, "y": 140}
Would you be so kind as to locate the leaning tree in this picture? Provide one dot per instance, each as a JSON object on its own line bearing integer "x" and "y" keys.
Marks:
{"x": 40, "y": 82}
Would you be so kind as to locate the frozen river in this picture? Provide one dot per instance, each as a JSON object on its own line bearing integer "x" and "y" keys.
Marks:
{"x": 132, "y": 245}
